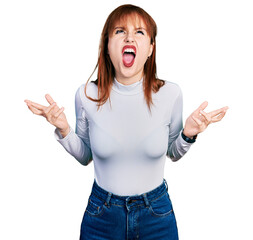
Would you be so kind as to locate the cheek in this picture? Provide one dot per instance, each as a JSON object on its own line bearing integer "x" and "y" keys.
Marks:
{"x": 113, "y": 51}
{"x": 145, "y": 52}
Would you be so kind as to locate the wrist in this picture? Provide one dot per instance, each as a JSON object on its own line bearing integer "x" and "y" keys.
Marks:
{"x": 187, "y": 134}
{"x": 188, "y": 138}
{"x": 64, "y": 132}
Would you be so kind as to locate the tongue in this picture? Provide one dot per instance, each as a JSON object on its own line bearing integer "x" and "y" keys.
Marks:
{"x": 128, "y": 59}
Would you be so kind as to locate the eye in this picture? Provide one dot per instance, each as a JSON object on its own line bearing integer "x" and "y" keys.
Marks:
{"x": 119, "y": 31}
{"x": 141, "y": 32}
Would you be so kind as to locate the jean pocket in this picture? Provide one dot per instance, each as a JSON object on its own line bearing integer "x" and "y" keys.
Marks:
{"x": 95, "y": 206}
{"x": 162, "y": 206}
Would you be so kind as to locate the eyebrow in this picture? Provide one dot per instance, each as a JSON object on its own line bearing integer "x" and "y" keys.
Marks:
{"x": 141, "y": 28}
{"x": 119, "y": 27}
{"x": 138, "y": 28}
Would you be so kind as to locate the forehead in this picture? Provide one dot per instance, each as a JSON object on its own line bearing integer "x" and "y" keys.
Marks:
{"x": 126, "y": 20}
{"x": 130, "y": 19}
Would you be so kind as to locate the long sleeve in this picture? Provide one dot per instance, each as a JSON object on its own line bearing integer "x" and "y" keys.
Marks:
{"x": 177, "y": 146}
{"x": 78, "y": 143}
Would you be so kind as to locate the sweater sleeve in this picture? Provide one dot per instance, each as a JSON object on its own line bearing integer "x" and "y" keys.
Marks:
{"x": 78, "y": 143}
{"x": 177, "y": 146}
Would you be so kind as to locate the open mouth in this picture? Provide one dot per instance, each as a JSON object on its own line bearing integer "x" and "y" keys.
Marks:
{"x": 129, "y": 53}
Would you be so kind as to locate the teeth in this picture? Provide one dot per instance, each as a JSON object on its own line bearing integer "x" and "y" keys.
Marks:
{"x": 129, "y": 50}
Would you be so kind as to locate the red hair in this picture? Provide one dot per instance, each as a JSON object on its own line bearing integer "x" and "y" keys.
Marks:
{"x": 106, "y": 72}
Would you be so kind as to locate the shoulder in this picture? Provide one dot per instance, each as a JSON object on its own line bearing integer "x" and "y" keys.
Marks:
{"x": 170, "y": 89}
{"x": 172, "y": 86}
{"x": 91, "y": 91}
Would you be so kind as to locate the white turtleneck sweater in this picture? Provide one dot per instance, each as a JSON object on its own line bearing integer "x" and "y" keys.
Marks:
{"x": 128, "y": 145}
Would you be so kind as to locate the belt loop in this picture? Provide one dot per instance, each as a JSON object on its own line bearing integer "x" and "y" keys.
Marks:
{"x": 108, "y": 199}
{"x": 146, "y": 199}
{"x": 166, "y": 184}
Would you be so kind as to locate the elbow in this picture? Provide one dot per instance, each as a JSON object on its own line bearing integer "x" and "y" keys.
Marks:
{"x": 174, "y": 157}
{"x": 86, "y": 163}
{"x": 85, "y": 160}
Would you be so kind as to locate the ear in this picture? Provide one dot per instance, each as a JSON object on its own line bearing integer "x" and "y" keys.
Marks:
{"x": 151, "y": 49}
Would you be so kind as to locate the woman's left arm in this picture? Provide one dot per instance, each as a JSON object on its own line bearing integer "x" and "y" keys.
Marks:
{"x": 199, "y": 120}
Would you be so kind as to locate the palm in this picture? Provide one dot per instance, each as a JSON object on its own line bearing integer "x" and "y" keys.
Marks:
{"x": 52, "y": 113}
{"x": 199, "y": 120}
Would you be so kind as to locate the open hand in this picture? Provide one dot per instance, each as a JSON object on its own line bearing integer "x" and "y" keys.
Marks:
{"x": 199, "y": 120}
{"x": 52, "y": 113}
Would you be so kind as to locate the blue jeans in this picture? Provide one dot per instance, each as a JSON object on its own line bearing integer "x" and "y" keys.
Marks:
{"x": 148, "y": 216}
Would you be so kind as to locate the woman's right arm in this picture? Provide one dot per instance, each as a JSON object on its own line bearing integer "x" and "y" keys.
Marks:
{"x": 75, "y": 143}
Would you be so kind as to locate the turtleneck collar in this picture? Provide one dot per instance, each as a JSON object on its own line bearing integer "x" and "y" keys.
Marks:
{"x": 130, "y": 89}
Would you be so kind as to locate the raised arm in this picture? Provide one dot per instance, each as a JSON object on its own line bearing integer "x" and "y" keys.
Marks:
{"x": 77, "y": 143}
{"x": 52, "y": 113}
{"x": 199, "y": 120}
{"x": 196, "y": 123}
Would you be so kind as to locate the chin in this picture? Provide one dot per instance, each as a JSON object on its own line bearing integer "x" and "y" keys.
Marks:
{"x": 129, "y": 72}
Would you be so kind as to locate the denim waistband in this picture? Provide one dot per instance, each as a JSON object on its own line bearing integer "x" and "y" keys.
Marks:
{"x": 110, "y": 198}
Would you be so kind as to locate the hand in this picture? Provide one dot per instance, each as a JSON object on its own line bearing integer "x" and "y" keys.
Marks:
{"x": 199, "y": 120}
{"x": 52, "y": 113}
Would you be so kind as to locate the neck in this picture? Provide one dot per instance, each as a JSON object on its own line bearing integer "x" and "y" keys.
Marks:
{"x": 129, "y": 80}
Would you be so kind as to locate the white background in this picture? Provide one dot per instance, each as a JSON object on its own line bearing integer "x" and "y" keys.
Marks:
{"x": 51, "y": 47}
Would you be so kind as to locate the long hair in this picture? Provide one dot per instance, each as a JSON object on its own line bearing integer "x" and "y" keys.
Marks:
{"x": 106, "y": 72}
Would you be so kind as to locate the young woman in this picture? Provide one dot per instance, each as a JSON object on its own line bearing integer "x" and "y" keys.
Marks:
{"x": 127, "y": 122}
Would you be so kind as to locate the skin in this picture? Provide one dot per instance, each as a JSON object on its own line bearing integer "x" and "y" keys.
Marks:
{"x": 129, "y": 35}
{"x": 52, "y": 113}
{"x": 199, "y": 120}
{"x": 196, "y": 123}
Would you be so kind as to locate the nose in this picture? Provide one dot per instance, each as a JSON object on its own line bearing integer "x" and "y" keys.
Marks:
{"x": 129, "y": 37}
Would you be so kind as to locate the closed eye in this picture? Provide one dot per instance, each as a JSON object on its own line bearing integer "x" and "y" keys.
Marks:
{"x": 119, "y": 31}
{"x": 141, "y": 32}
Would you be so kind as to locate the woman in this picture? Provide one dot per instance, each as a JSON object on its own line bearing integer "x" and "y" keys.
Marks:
{"x": 127, "y": 122}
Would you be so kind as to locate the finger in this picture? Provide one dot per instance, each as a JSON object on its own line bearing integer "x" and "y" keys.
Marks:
{"x": 218, "y": 111}
{"x": 206, "y": 116}
{"x": 49, "y": 99}
{"x": 219, "y": 117}
{"x": 58, "y": 113}
{"x": 34, "y": 110}
{"x": 199, "y": 123}
{"x": 49, "y": 108}
{"x": 202, "y": 106}
{"x": 52, "y": 110}
{"x": 36, "y": 105}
